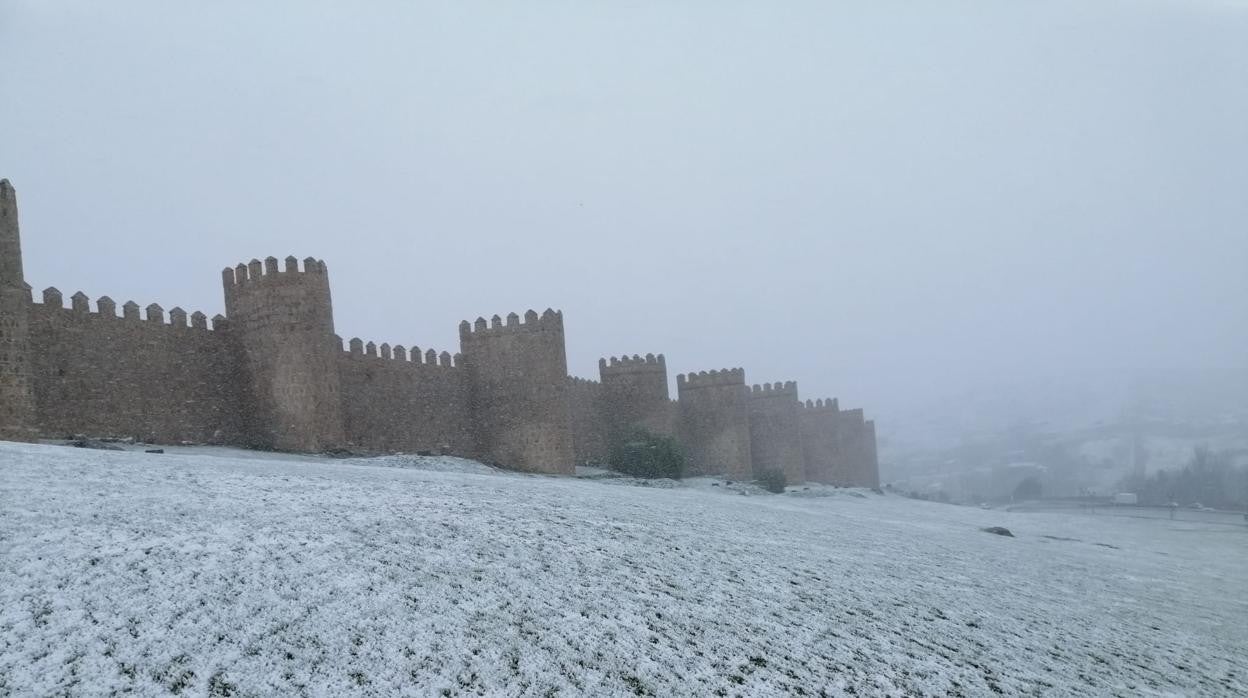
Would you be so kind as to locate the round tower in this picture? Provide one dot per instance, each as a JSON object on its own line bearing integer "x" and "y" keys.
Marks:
{"x": 518, "y": 385}
{"x": 283, "y": 320}
{"x": 17, "y": 403}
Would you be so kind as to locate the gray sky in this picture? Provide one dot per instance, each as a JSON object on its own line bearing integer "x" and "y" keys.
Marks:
{"x": 890, "y": 202}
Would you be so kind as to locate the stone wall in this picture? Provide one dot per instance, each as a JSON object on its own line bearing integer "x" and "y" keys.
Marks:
{"x": 588, "y": 420}
{"x": 145, "y": 377}
{"x": 775, "y": 432}
{"x": 518, "y": 377}
{"x": 715, "y": 422}
{"x": 396, "y": 401}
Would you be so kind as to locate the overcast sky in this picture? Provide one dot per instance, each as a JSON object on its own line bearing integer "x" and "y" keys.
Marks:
{"x": 888, "y": 202}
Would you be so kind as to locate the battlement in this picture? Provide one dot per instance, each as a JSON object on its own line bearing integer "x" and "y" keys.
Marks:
{"x": 256, "y": 271}
{"x": 532, "y": 322}
{"x": 106, "y": 308}
{"x": 711, "y": 379}
{"x": 650, "y": 363}
{"x": 828, "y": 405}
{"x": 578, "y": 382}
{"x": 357, "y": 348}
{"x": 854, "y": 416}
{"x": 768, "y": 390}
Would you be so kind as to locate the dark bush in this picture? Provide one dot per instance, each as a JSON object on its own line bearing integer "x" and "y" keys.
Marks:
{"x": 643, "y": 454}
{"x": 772, "y": 480}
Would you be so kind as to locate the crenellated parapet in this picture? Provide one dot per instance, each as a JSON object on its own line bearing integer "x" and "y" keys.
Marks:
{"x": 711, "y": 379}
{"x": 153, "y": 315}
{"x": 399, "y": 355}
{"x": 257, "y": 272}
{"x": 787, "y": 389}
{"x": 650, "y": 363}
{"x": 549, "y": 321}
{"x": 820, "y": 405}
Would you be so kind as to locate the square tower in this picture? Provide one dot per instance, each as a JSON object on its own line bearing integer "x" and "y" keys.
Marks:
{"x": 775, "y": 431}
{"x": 715, "y": 422}
{"x": 634, "y": 394}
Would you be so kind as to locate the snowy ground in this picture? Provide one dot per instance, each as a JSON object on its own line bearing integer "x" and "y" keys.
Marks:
{"x": 208, "y": 573}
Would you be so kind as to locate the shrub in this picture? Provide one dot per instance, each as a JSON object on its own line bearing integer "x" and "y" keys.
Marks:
{"x": 643, "y": 454}
{"x": 772, "y": 480}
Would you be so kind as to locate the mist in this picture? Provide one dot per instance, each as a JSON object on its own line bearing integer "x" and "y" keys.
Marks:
{"x": 915, "y": 209}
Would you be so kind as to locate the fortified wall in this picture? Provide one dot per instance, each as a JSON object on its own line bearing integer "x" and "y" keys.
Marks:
{"x": 271, "y": 373}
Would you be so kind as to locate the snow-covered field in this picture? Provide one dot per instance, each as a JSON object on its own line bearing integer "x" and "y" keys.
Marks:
{"x": 211, "y": 574}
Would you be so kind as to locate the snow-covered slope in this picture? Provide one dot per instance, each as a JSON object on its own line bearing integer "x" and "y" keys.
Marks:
{"x": 242, "y": 576}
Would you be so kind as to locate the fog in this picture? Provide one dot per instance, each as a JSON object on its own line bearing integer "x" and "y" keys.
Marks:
{"x": 899, "y": 204}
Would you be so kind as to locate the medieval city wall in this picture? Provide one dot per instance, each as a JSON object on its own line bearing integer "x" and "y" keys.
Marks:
{"x": 715, "y": 422}
{"x": 775, "y": 431}
{"x": 396, "y": 399}
{"x": 136, "y": 375}
{"x": 271, "y": 373}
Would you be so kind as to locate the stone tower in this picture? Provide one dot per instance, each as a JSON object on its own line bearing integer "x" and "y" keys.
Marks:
{"x": 775, "y": 431}
{"x": 17, "y": 403}
{"x": 517, "y": 377}
{"x": 283, "y": 323}
{"x": 715, "y": 422}
{"x": 852, "y": 449}
{"x": 634, "y": 392}
{"x": 819, "y": 420}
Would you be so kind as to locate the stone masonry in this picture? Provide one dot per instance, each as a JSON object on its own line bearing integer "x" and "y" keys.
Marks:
{"x": 270, "y": 373}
